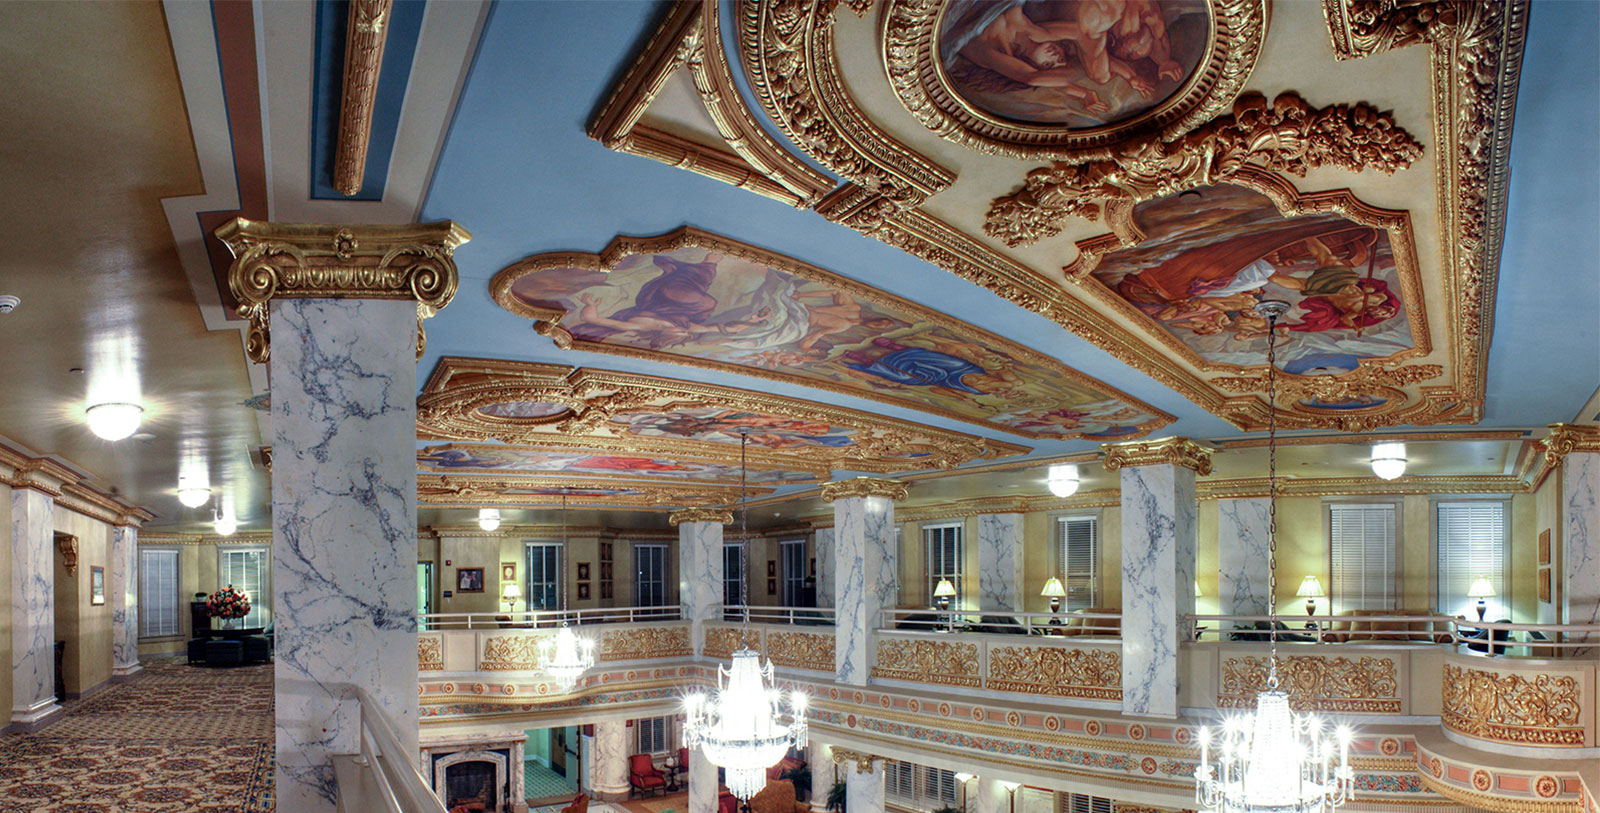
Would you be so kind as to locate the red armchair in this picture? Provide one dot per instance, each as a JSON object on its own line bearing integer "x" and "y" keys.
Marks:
{"x": 683, "y": 761}
{"x": 727, "y": 803}
{"x": 643, "y": 776}
{"x": 579, "y": 805}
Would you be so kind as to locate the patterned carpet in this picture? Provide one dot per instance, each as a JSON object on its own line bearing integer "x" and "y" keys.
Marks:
{"x": 180, "y": 738}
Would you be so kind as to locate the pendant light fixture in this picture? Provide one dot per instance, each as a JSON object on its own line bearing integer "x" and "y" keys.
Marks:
{"x": 1273, "y": 760}
{"x": 1388, "y": 460}
{"x": 489, "y": 519}
{"x": 740, "y": 728}
{"x": 1063, "y": 479}
{"x": 114, "y": 421}
{"x": 565, "y": 656}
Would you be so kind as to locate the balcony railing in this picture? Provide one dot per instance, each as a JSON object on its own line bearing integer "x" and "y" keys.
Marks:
{"x": 1093, "y": 624}
{"x": 1492, "y": 638}
{"x": 384, "y": 775}
{"x": 545, "y": 619}
{"x": 755, "y": 614}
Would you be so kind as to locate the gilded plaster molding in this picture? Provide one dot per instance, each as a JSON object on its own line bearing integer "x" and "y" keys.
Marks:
{"x": 1365, "y": 685}
{"x": 863, "y": 487}
{"x": 721, "y": 516}
{"x": 365, "y": 34}
{"x": 1566, "y": 438}
{"x": 861, "y": 759}
{"x": 1164, "y": 452}
{"x": 1540, "y": 709}
{"x": 472, "y": 491}
{"x": 304, "y": 260}
{"x": 166, "y": 539}
{"x": 644, "y": 643}
{"x": 68, "y": 545}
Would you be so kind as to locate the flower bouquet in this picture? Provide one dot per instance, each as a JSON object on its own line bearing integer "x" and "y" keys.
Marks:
{"x": 228, "y": 603}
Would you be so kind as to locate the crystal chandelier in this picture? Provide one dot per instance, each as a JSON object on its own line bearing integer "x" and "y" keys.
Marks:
{"x": 741, "y": 728}
{"x": 1273, "y": 760}
{"x": 565, "y": 656}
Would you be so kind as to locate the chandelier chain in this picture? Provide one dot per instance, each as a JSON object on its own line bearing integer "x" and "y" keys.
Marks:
{"x": 1272, "y": 500}
{"x": 744, "y": 541}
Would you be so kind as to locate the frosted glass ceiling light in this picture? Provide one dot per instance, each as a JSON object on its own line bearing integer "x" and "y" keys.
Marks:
{"x": 489, "y": 519}
{"x": 1063, "y": 480}
{"x": 193, "y": 496}
{"x": 1388, "y": 460}
{"x": 225, "y": 524}
{"x": 115, "y": 420}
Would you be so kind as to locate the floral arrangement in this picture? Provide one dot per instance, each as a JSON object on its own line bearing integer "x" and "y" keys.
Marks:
{"x": 228, "y": 603}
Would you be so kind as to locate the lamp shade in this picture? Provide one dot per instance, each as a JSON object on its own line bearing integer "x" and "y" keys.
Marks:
{"x": 1310, "y": 587}
{"x": 944, "y": 589}
{"x": 1388, "y": 460}
{"x": 1053, "y": 588}
{"x": 1481, "y": 588}
{"x": 1063, "y": 480}
{"x": 114, "y": 421}
{"x": 510, "y": 592}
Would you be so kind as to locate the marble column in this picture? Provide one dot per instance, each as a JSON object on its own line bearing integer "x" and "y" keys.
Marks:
{"x": 819, "y": 758}
{"x": 700, "y": 567}
{"x": 124, "y": 596}
{"x": 608, "y": 760}
{"x": 1242, "y": 574}
{"x": 1000, "y": 562}
{"x": 1577, "y": 449}
{"x": 702, "y": 777}
{"x": 822, "y": 545}
{"x": 866, "y": 548}
{"x": 33, "y": 613}
{"x": 1158, "y": 553}
{"x": 863, "y": 781}
{"x": 986, "y": 795}
{"x": 341, "y": 347}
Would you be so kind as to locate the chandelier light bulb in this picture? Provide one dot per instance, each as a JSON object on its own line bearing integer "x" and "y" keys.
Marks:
{"x": 1388, "y": 460}
{"x": 489, "y": 519}
{"x": 114, "y": 421}
{"x": 1063, "y": 480}
{"x": 193, "y": 496}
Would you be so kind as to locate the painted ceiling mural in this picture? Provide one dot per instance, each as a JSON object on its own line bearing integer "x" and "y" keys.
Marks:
{"x": 695, "y": 298}
{"x": 475, "y": 490}
{"x": 662, "y": 420}
{"x": 511, "y": 460}
{"x": 1072, "y": 118}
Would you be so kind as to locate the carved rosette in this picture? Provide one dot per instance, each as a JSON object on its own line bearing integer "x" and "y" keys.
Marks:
{"x": 1165, "y": 452}
{"x": 1565, "y": 438}
{"x": 645, "y": 643}
{"x": 311, "y": 261}
{"x": 1367, "y": 684}
{"x": 721, "y": 516}
{"x": 1536, "y": 709}
{"x": 1094, "y": 674}
{"x": 937, "y": 662}
{"x": 864, "y": 487}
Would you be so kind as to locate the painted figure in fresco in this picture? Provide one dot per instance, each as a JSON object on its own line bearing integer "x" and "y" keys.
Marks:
{"x": 1018, "y": 50}
{"x": 615, "y": 463}
{"x": 841, "y": 313}
{"x": 770, "y": 431}
{"x": 669, "y": 310}
{"x": 913, "y": 366}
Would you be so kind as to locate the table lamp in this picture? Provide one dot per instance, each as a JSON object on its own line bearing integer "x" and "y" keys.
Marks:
{"x": 943, "y": 592}
{"x": 1311, "y": 590}
{"x": 1480, "y": 590}
{"x": 1055, "y": 592}
{"x": 509, "y": 594}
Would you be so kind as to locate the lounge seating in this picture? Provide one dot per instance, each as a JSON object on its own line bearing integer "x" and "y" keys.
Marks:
{"x": 777, "y": 797}
{"x": 643, "y": 776}
{"x": 1357, "y": 626}
{"x": 727, "y": 802}
{"x": 224, "y": 653}
{"x": 257, "y": 648}
{"x": 1095, "y": 627}
{"x": 683, "y": 761}
{"x": 579, "y": 805}
{"x": 1260, "y": 631}
{"x": 999, "y": 625}
{"x": 197, "y": 650}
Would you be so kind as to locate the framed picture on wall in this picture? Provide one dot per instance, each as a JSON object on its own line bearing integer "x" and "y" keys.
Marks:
{"x": 583, "y": 591}
{"x": 583, "y": 571}
{"x": 1544, "y": 584}
{"x": 97, "y": 585}
{"x": 469, "y": 580}
{"x": 508, "y": 571}
{"x": 1544, "y": 547}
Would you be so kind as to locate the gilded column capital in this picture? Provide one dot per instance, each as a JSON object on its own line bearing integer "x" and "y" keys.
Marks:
{"x": 1167, "y": 451}
{"x": 316, "y": 261}
{"x": 863, "y": 761}
{"x": 863, "y": 487}
{"x": 1565, "y": 438}
{"x": 721, "y": 516}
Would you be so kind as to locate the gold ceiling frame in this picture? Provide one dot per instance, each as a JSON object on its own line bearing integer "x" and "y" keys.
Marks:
{"x": 547, "y": 321}
{"x": 563, "y": 445}
{"x": 443, "y": 490}
{"x": 915, "y": 71}
{"x": 450, "y": 403}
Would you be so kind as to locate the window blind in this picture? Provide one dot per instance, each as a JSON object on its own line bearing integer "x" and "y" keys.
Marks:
{"x": 1363, "y": 548}
{"x": 732, "y": 574}
{"x": 919, "y": 786}
{"x": 943, "y": 543}
{"x": 246, "y": 569}
{"x": 158, "y": 594}
{"x": 652, "y": 735}
{"x": 1078, "y": 546}
{"x": 1471, "y": 545}
{"x": 1084, "y": 803}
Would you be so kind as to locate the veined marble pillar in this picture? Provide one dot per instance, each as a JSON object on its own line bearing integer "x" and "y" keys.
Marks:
{"x": 819, "y": 758}
{"x": 608, "y": 761}
{"x": 702, "y": 778}
{"x": 1577, "y": 448}
{"x": 124, "y": 590}
{"x": 986, "y": 795}
{"x": 1158, "y": 541}
{"x": 1242, "y": 573}
{"x": 822, "y": 545}
{"x": 343, "y": 345}
{"x": 863, "y": 781}
{"x": 700, "y": 567}
{"x": 33, "y": 611}
{"x": 1000, "y": 562}
{"x": 866, "y": 550}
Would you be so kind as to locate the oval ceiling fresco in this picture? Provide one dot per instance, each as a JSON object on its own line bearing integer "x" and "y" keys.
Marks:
{"x": 485, "y": 458}
{"x": 694, "y": 298}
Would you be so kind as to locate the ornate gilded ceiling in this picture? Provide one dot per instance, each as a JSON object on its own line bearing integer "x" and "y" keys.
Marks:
{"x": 1141, "y": 173}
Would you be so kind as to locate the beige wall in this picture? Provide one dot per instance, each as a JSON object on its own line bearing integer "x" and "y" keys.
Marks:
{"x": 5, "y": 601}
{"x": 1547, "y": 517}
{"x": 85, "y": 627}
{"x": 491, "y": 551}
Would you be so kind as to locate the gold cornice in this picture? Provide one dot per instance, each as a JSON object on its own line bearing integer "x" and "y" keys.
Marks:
{"x": 475, "y": 491}
{"x": 366, "y": 31}
{"x": 863, "y": 487}
{"x": 255, "y": 538}
{"x": 721, "y": 516}
{"x": 1566, "y": 438}
{"x": 305, "y": 260}
{"x": 678, "y": 450}
{"x": 1166, "y": 451}
{"x": 1362, "y": 439}
{"x": 862, "y": 760}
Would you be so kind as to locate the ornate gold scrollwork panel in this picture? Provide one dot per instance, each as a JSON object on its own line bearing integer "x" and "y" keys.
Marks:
{"x": 937, "y": 662}
{"x": 1363, "y": 684}
{"x": 1092, "y": 673}
{"x": 1522, "y": 709}
{"x": 644, "y": 643}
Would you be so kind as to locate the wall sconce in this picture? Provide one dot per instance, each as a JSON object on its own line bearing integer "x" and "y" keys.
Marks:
{"x": 1011, "y": 791}
{"x": 961, "y": 782}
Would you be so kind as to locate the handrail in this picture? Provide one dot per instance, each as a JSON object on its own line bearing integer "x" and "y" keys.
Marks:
{"x": 758, "y": 614}
{"x": 1439, "y": 629}
{"x": 393, "y": 768}
{"x": 546, "y": 619}
{"x": 999, "y": 621}
{"x": 1556, "y": 641}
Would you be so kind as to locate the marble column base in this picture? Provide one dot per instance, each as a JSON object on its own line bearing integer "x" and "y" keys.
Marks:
{"x": 608, "y": 756}
{"x": 47, "y": 715}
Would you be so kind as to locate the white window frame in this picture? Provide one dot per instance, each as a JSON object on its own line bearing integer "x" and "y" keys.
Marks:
{"x": 959, "y": 561}
{"x": 1387, "y": 565}
{"x": 1497, "y": 569}
{"x": 1080, "y": 582}
{"x": 792, "y": 570}
{"x": 260, "y": 596}
{"x": 528, "y": 547}
{"x": 640, "y": 582}
{"x": 652, "y": 735}
{"x": 147, "y": 604}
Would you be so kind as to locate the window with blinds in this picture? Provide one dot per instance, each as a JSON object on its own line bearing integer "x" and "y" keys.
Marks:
{"x": 1472, "y": 539}
{"x": 1083, "y": 803}
{"x": 652, "y": 735}
{"x": 1078, "y": 549}
{"x": 1361, "y": 539}
{"x": 650, "y": 575}
{"x": 793, "y": 553}
{"x": 246, "y": 569}
{"x": 159, "y": 608}
{"x": 943, "y": 544}
{"x": 918, "y": 786}
{"x": 733, "y": 574}
{"x": 542, "y": 588}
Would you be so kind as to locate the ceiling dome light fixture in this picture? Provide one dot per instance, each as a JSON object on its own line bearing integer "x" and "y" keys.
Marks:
{"x": 489, "y": 519}
{"x": 114, "y": 421}
{"x": 1063, "y": 480}
{"x": 225, "y": 524}
{"x": 1272, "y": 760}
{"x": 193, "y": 496}
{"x": 1388, "y": 460}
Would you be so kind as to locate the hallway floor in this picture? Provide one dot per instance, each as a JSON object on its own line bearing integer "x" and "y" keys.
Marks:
{"x": 177, "y": 738}
{"x": 540, "y": 782}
